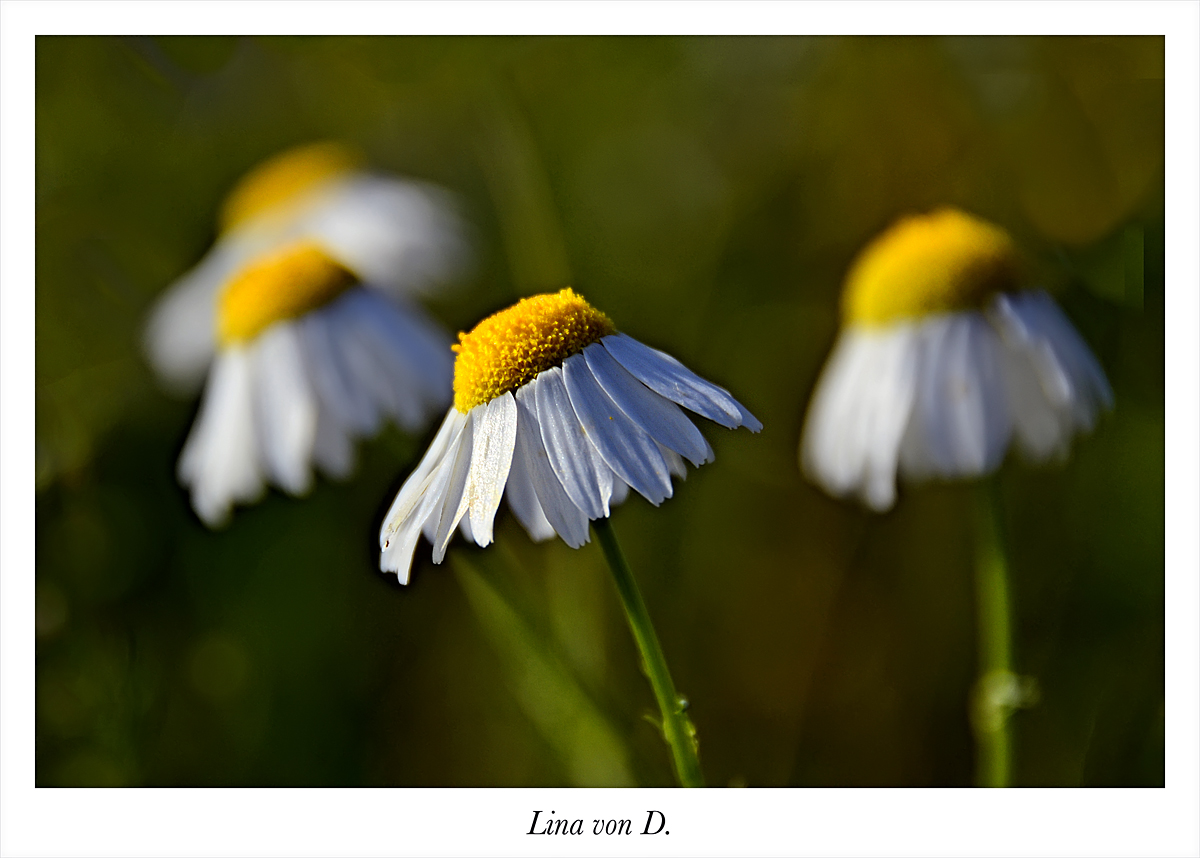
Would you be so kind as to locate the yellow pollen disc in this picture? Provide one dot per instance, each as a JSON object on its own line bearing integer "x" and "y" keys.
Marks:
{"x": 284, "y": 285}
{"x": 509, "y": 349}
{"x": 284, "y": 177}
{"x": 935, "y": 263}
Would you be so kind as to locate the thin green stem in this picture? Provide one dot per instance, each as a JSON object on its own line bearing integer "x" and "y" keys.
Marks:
{"x": 997, "y": 691}
{"x": 677, "y": 727}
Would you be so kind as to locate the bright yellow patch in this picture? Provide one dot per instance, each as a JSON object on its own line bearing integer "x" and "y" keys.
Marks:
{"x": 510, "y": 348}
{"x": 284, "y": 285}
{"x": 939, "y": 262}
{"x": 284, "y": 177}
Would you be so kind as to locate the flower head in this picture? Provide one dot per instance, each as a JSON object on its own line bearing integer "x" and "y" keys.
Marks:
{"x": 562, "y": 414}
{"x": 942, "y": 361}
{"x": 297, "y": 317}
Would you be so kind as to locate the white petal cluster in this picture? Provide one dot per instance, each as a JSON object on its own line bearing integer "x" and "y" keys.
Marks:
{"x": 303, "y": 389}
{"x": 564, "y": 447}
{"x": 944, "y": 395}
{"x": 398, "y": 236}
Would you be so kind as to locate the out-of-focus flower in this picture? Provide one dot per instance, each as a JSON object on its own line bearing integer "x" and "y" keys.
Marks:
{"x": 563, "y": 414}
{"x": 941, "y": 362}
{"x": 298, "y": 317}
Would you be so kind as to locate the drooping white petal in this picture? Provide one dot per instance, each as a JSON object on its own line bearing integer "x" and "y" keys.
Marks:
{"x": 397, "y": 554}
{"x": 666, "y": 376}
{"x": 1040, "y": 430}
{"x": 337, "y": 385}
{"x": 662, "y": 419}
{"x": 464, "y": 527}
{"x": 858, "y": 413}
{"x": 1055, "y": 384}
{"x": 370, "y": 357}
{"x": 409, "y": 342}
{"x": 620, "y": 491}
{"x": 421, "y": 496}
{"x": 219, "y": 462}
{"x": 674, "y": 464}
{"x": 918, "y": 451}
{"x": 522, "y": 496}
{"x": 410, "y": 494}
{"x": 491, "y": 459}
{"x": 585, "y": 476}
{"x": 181, "y": 332}
{"x": 373, "y": 362}
{"x": 629, "y": 451}
{"x": 567, "y": 519}
{"x": 829, "y": 407}
{"x": 286, "y": 413}
{"x": 454, "y": 505}
{"x": 1048, "y": 322}
{"x": 961, "y": 421}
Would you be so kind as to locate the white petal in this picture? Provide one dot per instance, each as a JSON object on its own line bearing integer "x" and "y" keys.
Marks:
{"x": 858, "y": 413}
{"x": 630, "y": 452}
{"x": 620, "y": 491}
{"x": 961, "y": 421}
{"x": 662, "y": 419}
{"x": 287, "y": 409}
{"x": 674, "y": 464}
{"x": 665, "y": 375}
{"x": 1047, "y": 320}
{"x": 454, "y": 505}
{"x": 393, "y": 386}
{"x": 1040, "y": 429}
{"x": 421, "y": 496}
{"x": 410, "y": 341}
{"x": 491, "y": 459}
{"x": 219, "y": 462}
{"x": 1055, "y": 383}
{"x": 337, "y": 385}
{"x": 567, "y": 519}
{"x": 464, "y": 527}
{"x": 522, "y": 496}
{"x": 402, "y": 234}
{"x": 181, "y": 331}
{"x": 409, "y": 496}
{"x": 397, "y": 555}
{"x": 584, "y": 475}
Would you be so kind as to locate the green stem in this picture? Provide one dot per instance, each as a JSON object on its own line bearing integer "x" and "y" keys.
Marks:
{"x": 996, "y": 693}
{"x": 677, "y": 727}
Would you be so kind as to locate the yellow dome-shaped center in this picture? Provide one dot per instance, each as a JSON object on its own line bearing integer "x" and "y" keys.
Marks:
{"x": 283, "y": 285}
{"x": 285, "y": 177}
{"x": 510, "y": 348}
{"x": 935, "y": 263}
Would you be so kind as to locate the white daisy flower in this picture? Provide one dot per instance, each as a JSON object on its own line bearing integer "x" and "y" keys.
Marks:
{"x": 558, "y": 411}
{"x": 297, "y": 317}
{"x": 941, "y": 362}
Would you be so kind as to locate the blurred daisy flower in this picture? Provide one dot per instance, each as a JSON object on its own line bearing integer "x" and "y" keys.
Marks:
{"x": 297, "y": 318}
{"x": 561, "y": 413}
{"x": 942, "y": 362}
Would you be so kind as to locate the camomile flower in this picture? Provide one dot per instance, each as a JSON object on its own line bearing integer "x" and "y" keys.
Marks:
{"x": 562, "y": 414}
{"x": 942, "y": 362}
{"x": 297, "y": 318}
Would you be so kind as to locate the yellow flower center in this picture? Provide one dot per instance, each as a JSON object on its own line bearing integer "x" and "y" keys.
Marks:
{"x": 285, "y": 177}
{"x": 510, "y": 348}
{"x": 940, "y": 262}
{"x": 284, "y": 285}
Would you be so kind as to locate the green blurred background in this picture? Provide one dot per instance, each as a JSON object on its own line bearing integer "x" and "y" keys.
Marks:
{"x": 707, "y": 193}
